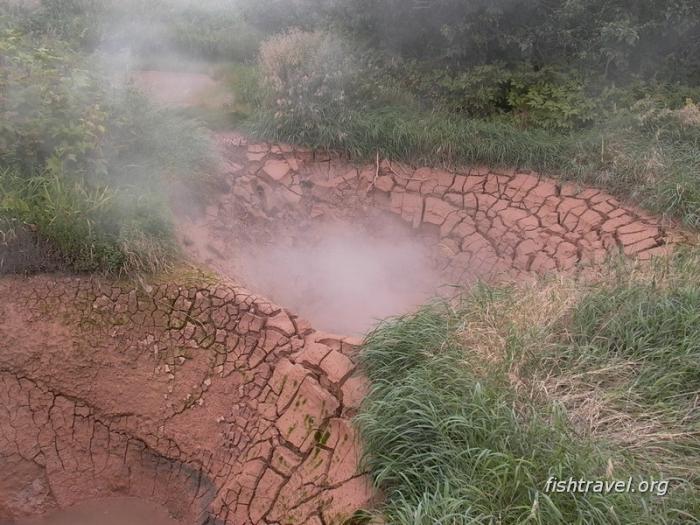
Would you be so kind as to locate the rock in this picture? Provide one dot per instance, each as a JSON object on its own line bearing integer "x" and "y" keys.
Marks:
{"x": 311, "y": 405}
{"x": 644, "y": 244}
{"x": 258, "y": 148}
{"x": 412, "y": 208}
{"x": 336, "y": 366}
{"x": 255, "y": 157}
{"x": 384, "y": 183}
{"x": 281, "y": 322}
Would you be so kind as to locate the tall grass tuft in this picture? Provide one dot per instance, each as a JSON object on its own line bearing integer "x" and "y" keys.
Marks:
{"x": 456, "y": 429}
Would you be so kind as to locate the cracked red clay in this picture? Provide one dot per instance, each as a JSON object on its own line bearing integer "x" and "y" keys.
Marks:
{"x": 200, "y": 399}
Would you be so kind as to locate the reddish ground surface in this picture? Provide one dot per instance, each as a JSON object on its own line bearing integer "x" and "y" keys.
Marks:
{"x": 207, "y": 400}
{"x": 221, "y": 407}
{"x": 296, "y": 225}
{"x": 174, "y": 88}
{"x": 108, "y": 511}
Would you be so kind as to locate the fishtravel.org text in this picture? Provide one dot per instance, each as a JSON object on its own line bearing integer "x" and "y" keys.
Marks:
{"x": 582, "y": 486}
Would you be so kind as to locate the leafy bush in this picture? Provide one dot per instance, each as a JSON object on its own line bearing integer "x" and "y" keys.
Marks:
{"x": 214, "y": 30}
{"x": 78, "y": 23}
{"x": 547, "y": 98}
{"x": 49, "y": 114}
{"x": 88, "y": 167}
{"x": 615, "y": 39}
{"x": 312, "y": 77}
{"x": 550, "y": 100}
{"x": 477, "y": 92}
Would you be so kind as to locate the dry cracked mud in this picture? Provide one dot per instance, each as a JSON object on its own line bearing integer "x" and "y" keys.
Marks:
{"x": 272, "y": 226}
{"x": 207, "y": 400}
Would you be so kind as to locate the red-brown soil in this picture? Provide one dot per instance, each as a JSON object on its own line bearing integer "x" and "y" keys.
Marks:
{"x": 173, "y": 88}
{"x": 207, "y": 400}
{"x": 108, "y": 511}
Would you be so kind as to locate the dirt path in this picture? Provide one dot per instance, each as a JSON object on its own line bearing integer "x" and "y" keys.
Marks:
{"x": 179, "y": 89}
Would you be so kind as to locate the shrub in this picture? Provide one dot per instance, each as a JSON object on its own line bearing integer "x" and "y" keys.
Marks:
{"x": 44, "y": 108}
{"x": 78, "y": 23}
{"x": 313, "y": 78}
{"x": 214, "y": 29}
{"x": 550, "y": 99}
{"x": 214, "y": 32}
{"x": 89, "y": 167}
{"x": 477, "y": 92}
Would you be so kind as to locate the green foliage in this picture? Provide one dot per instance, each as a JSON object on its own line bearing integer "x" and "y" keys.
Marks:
{"x": 78, "y": 23}
{"x": 314, "y": 78}
{"x": 42, "y": 90}
{"x": 480, "y": 91}
{"x": 214, "y": 30}
{"x": 250, "y": 93}
{"x": 88, "y": 167}
{"x": 652, "y": 328}
{"x": 546, "y": 100}
{"x": 612, "y": 38}
{"x": 534, "y": 61}
{"x": 277, "y": 16}
{"x": 449, "y": 439}
{"x": 67, "y": 214}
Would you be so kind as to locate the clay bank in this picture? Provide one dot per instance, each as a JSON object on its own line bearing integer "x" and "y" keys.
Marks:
{"x": 206, "y": 400}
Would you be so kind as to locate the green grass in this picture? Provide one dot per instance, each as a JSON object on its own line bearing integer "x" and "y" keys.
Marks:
{"x": 659, "y": 172}
{"x": 655, "y": 329}
{"x": 471, "y": 409}
{"x": 633, "y": 343}
{"x": 98, "y": 229}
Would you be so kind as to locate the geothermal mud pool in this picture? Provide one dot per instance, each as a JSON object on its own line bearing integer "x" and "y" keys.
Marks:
{"x": 344, "y": 245}
{"x": 212, "y": 405}
{"x": 342, "y": 275}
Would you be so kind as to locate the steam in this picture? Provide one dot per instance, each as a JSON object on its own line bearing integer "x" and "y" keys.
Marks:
{"x": 342, "y": 278}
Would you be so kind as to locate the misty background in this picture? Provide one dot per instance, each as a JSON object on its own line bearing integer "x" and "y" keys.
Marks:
{"x": 603, "y": 92}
